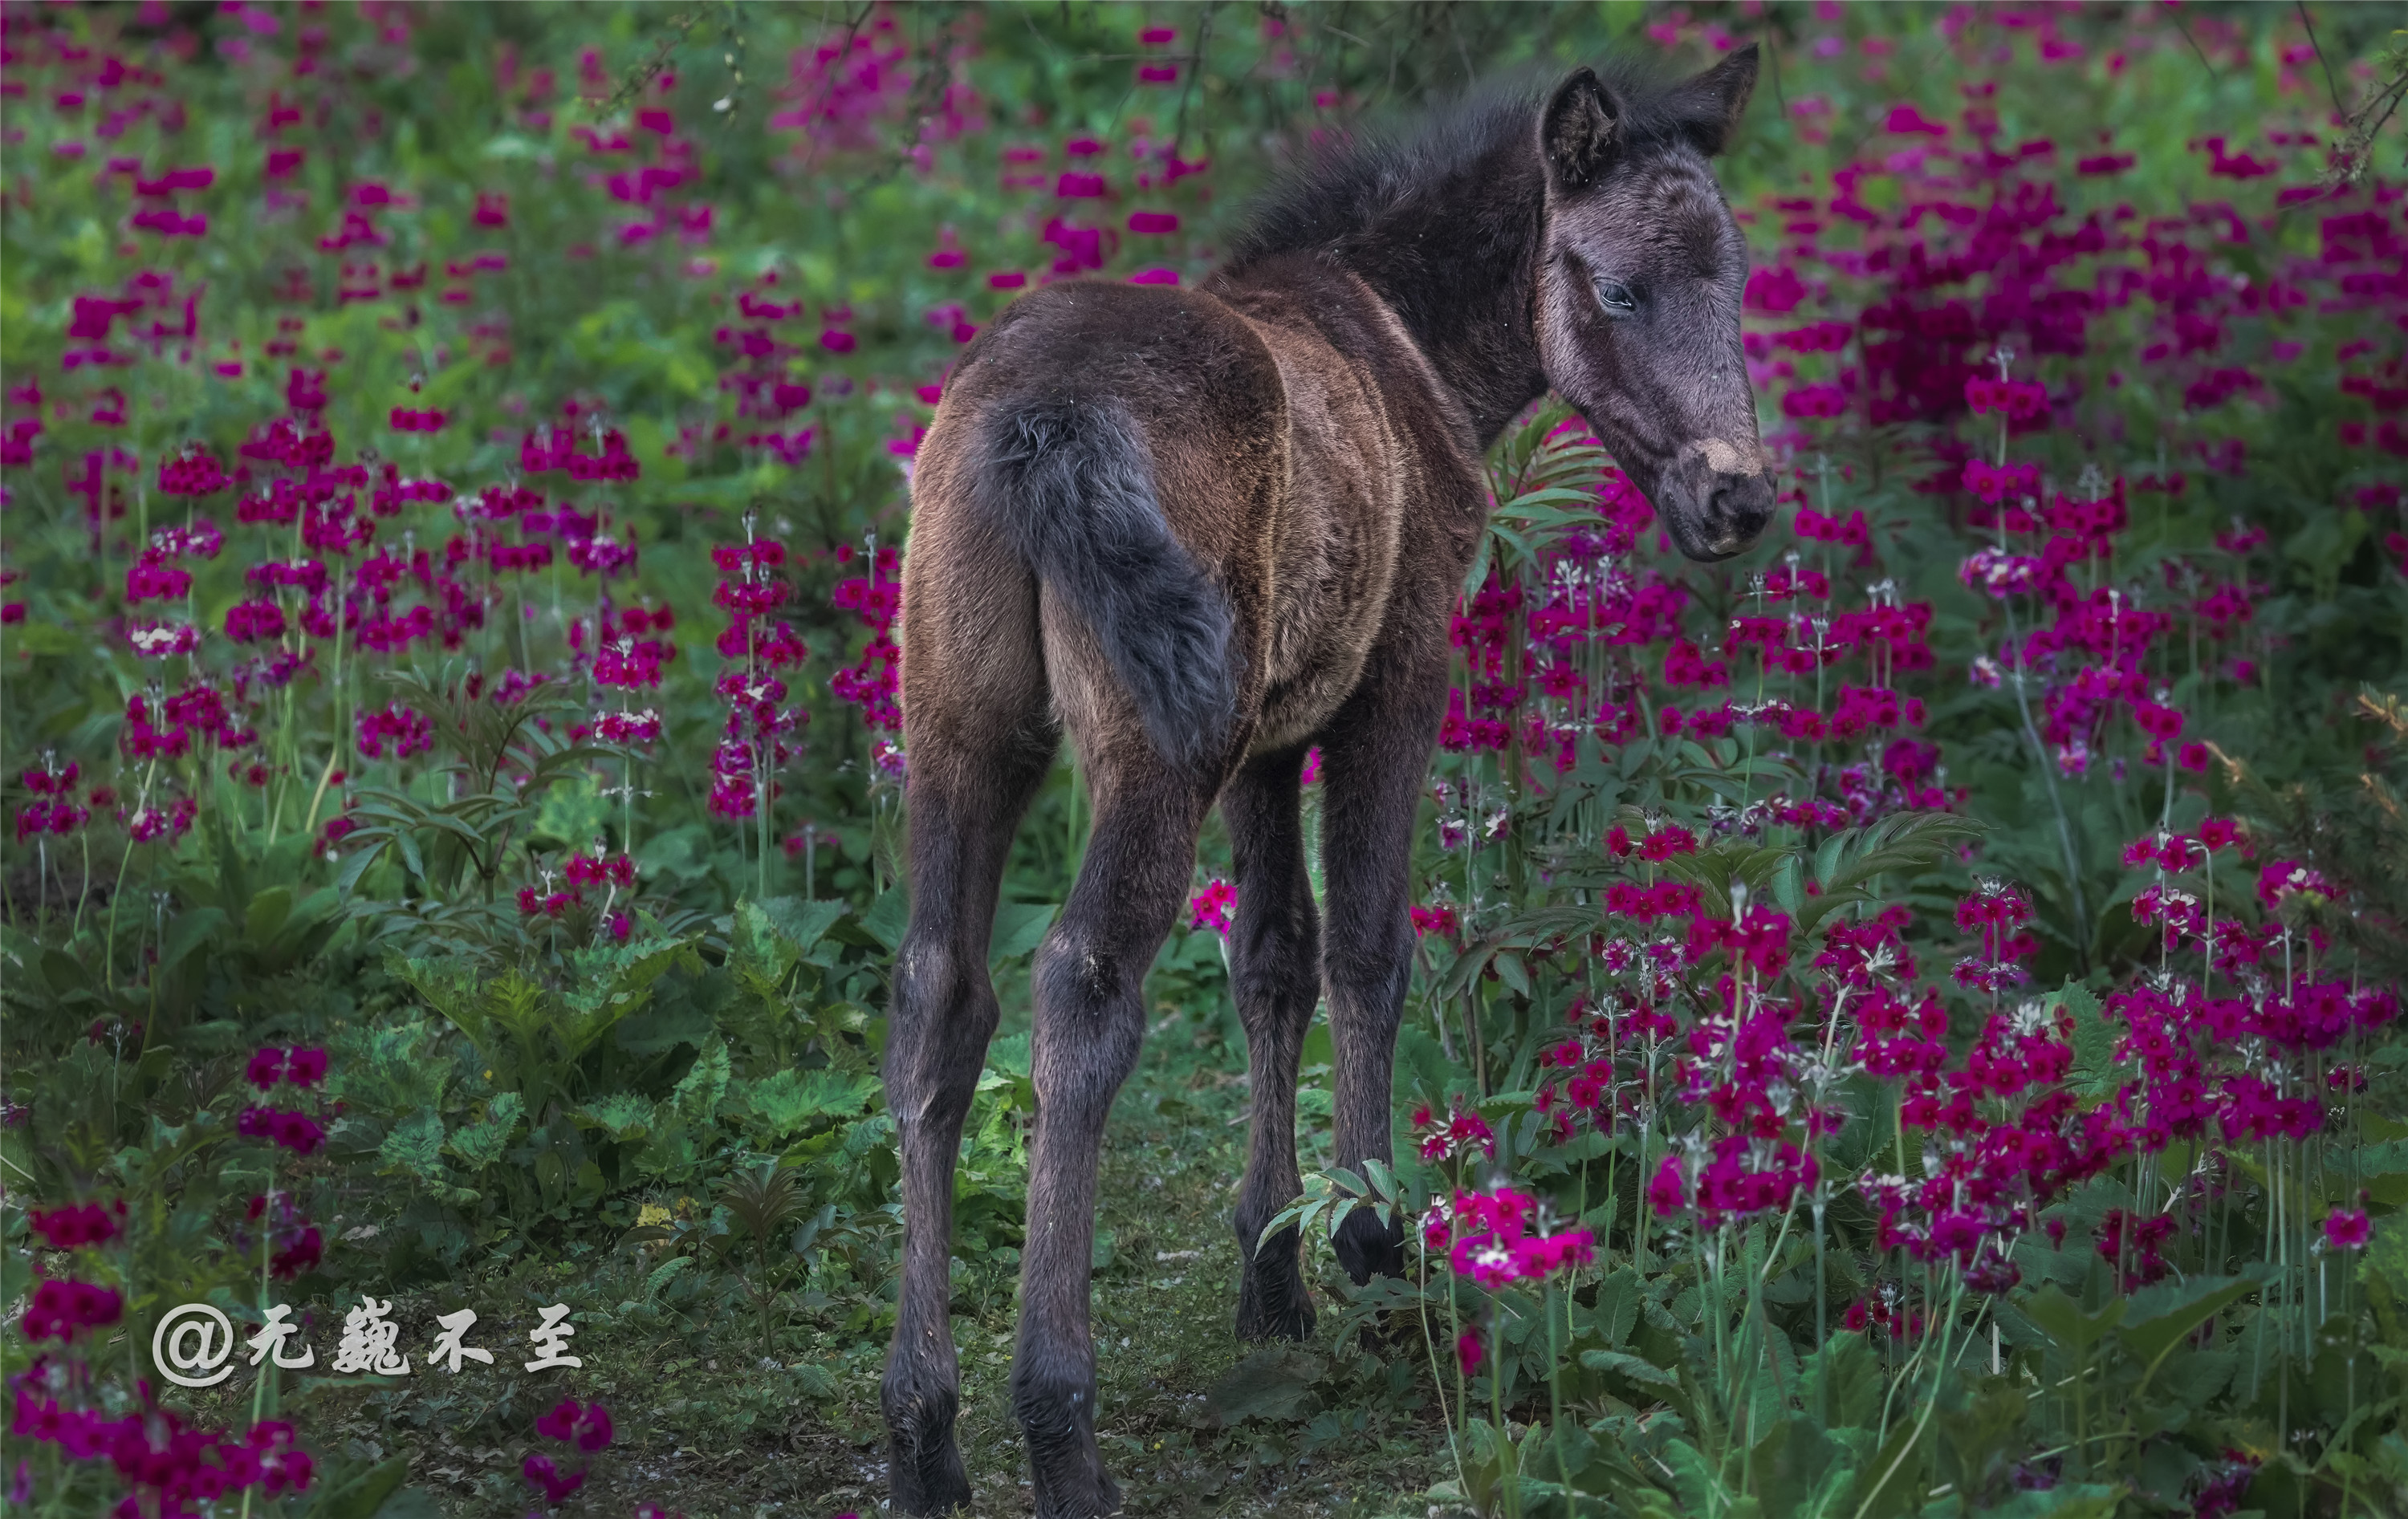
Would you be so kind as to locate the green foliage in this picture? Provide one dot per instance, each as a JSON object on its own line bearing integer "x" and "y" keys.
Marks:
{"x": 682, "y": 1127}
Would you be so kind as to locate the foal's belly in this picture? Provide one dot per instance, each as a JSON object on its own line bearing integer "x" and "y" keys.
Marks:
{"x": 1333, "y": 561}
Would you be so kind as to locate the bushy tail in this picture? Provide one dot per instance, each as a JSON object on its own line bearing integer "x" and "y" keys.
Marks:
{"x": 1068, "y": 481}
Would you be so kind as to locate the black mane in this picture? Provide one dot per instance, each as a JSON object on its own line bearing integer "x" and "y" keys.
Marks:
{"x": 1352, "y": 186}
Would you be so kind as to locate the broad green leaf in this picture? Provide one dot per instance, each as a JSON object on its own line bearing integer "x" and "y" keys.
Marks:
{"x": 188, "y": 931}
{"x": 362, "y": 1494}
{"x": 1019, "y": 929}
{"x": 267, "y": 914}
{"x": 2159, "y": 1318}
{"x": 1274, "y": 1384}
{"x": 789, "y": 1099}
{"x": 2065, "y": 1323}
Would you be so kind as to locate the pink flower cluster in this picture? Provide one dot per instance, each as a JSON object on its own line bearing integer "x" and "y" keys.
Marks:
{"x": 402, "y": 729}
{"x": 299, "y": 1066}
{"x": 294, "y": 1245}
{"x": 171, "y": 1471}
{"x": 77, "y": 1225}
{"x": 753, "y": 741}
{"x": 1211, "y": 907}
{"x": 61, "y": 1309}
{"x": 584, "y": 1426}
{"x": 1490, "y": 1241}
{"x": 1461, "y": 1134}
{"x": 282, "y": 1126}
{"x": 873, "y": 682}
{"x": 611, "y": 873}
{"x": 54, "y": 811}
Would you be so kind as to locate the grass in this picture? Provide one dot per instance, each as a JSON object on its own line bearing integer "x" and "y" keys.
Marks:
{"x": 711, "y": 1425}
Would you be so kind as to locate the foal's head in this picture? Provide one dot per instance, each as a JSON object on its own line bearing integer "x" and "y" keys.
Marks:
{"x": 1639, "y": 295}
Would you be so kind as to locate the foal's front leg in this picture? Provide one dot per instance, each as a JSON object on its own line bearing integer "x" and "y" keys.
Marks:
{"x": 1376, "y": 753}
{"x": 1275, "y": 974}
{"x": 1088, "y": 985}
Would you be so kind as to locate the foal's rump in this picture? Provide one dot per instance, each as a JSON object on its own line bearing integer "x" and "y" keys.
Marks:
{"x": 1095, "y": 497}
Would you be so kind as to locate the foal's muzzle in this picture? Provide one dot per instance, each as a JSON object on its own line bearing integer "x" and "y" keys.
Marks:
{"x": 1713, "y": 513}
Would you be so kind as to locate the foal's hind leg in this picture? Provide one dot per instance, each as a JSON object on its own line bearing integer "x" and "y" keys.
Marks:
{"x": 1090, "y": 1018}
{"x": 943, "y": 1014}
{"x": 980, "y": 739}
{"x": 1275, "y": 965}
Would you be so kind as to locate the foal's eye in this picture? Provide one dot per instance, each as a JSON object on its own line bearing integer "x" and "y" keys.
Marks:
{"x": 1615, "y": 297}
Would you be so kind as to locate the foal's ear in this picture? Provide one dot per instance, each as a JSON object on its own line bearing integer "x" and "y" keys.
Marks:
{"x": 1712, "y": 103}
{"x": 1578, "y": 132}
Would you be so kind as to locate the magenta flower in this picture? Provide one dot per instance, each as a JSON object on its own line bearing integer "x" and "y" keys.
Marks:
{"x": 1667, "y": 1190}
{"x": 193, "y": 471}
{"x": 541, "y": 1472}
{"x": 2348, "y": 1228}
{"x": 296, "y": 1132}
{"x": 1462, "y": 1133}
{"x": 1469, "y": 1352}
{"x": 266, "y": 1068}
{"x": 62, "y": 1309}
{"x": 587, "y": 1423}
{"x": 1211, "y": 908}
{"x": 78, "y": 1223}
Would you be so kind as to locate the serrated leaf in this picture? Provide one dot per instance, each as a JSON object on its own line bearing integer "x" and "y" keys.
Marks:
{"x": 481, "y": 1144}
{"x": 621, "y": 1114}
{"x": 416, "y": 1146}
{"x": 786, "y": 1101}
{"x": 659, "y": 1276}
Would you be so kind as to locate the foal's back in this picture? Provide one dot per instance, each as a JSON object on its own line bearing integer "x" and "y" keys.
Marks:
{"x": 1308, "y": 469}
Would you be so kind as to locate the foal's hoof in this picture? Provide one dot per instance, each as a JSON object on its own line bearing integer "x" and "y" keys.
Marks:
{"x": 1091, "y": 1496}
{"x": 1367, "y": 1249}
{"x": 1273, "y": 1306}
{"x": 927, "y": 1482}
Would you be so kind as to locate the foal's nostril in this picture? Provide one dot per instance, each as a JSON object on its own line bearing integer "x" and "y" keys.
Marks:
{"x": 1739, "y": 507}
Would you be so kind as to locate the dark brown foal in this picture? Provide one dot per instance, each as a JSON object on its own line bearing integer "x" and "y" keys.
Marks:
{"x": 1202, "y": 531}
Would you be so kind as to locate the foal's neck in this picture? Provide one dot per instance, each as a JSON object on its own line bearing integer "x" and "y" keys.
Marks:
{"x": 1457, "y": 260}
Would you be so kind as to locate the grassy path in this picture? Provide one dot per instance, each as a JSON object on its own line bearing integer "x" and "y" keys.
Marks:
{"x": 714, "y": 1425}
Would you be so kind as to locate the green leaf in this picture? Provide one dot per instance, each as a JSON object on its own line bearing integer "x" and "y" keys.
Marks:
{"x": 1631, "y": 1368}
{"x": 2062, "y": 1319}
{"x": 359, "y": 1494}
{"x": 697, "y": 1096}
{"x": 660, "y": 1274}
{"x": 2159, "y": 1318}
{"x": 482, "y": 1143}
{"x": 786, "y": 1101}
{"x": 1019, "y": 929}
{"x": 1274, "y": 1384}
{"x": 574, "y": 811}
{"x": 2094, "y": 1073}
{"x": 2066, "y": 1500}
{"x": 187, "y": 932}
{"x": 623, "y": 1115}
{"x": 663, "y": 1026}
{"x": 267, "y": 914}
{"x": 801, "y": 922}
{"x": 888, "y": 917}
{"x": 416, "y": 1146}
